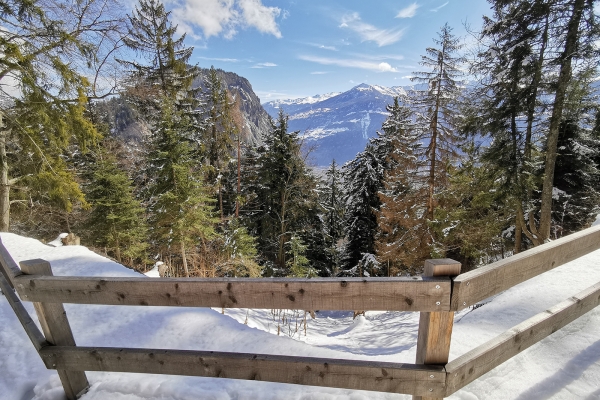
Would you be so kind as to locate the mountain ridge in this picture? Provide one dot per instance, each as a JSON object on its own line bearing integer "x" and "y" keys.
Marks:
{"x": 338, "y": 125}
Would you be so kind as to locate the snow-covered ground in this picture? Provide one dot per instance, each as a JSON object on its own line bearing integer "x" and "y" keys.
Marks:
{"x": 565, "y": 365}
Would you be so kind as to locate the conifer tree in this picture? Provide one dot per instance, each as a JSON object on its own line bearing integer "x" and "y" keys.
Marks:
{"x": 49, "y": 52}
{"x": 576, "y": 195}
{"x": 166, "y": 73}
{"x": 437, "y": 108}
{"x": 179, "y": 207}
{"x": 364, "y": 177}
{"x": 281, "y": 194}
{"x": 473, "y": 213}
{"x": 219, "y": 131}
{"x": 403, "y": 237}
{"x": 533, "y": 51}
{"x": 178, "y": 204}
{"x": 116, "y": 221}
{"x": 333, "y": 218}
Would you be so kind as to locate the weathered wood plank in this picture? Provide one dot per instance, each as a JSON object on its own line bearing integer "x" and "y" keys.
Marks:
{"x": 477, "y": 362}
{"x": 393, "y": 294}
{"x": 481, "y": 283}
{"x": 53, "y": 318}
{"x": 349, "y": 374}
{"x": 435, "y": 328}
{"x": 8, "y": 266}
{"x": 30, "y": 327}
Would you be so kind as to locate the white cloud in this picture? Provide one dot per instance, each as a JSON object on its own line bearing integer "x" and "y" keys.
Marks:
{"x": 322, "y": 46}
{"x": 233, "y": 60}
{"x": 368, "y": 32}
{"x": 319, "y": 73}
{"x": 378, "y": 57}
{"x": 438, "y": 8}
{"x": 214, "y": 17}
{"x": 408, "y": 12}
{"x": 264, "y": 65}
{"x": 350, "y": 63}
{"x": 257, "y": 15}
{"x": 225, "y": 17}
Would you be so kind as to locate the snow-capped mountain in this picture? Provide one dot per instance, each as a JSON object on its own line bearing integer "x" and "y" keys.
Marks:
{"x": 337, "y": 125}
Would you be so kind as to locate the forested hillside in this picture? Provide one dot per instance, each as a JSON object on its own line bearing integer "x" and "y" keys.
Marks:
{"x": 109, "y": 132}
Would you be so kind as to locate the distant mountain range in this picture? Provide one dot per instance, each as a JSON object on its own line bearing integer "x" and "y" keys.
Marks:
{"x": 337, "y": 125}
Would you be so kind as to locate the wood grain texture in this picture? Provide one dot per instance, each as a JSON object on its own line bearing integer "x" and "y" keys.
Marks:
{"x": 56, "y": 327}
{"x": 373, "y": 294}
{"x": 477, "y": 362}
{"x": 481, "y": 283}
{"x": 8, "y": 266}
{"x": 357, "y": 375}
{"x": 435, "y": 328}
{"x": 441, "y": 267}
{"x": 30, "y": 327}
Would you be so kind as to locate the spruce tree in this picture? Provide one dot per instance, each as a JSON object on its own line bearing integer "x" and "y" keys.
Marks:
{"x": 281, "y": 193}
{"x": 437, "y": 107}
{"x": 179, "y": 207}
{"x": 533, "y": 50}
{"x": 219, "y": 131}
{"x": 116, "y": 221}
{"x": 334, "y": 208}
{"x": 576, "y": 196}
{"x": 403, "y": 237}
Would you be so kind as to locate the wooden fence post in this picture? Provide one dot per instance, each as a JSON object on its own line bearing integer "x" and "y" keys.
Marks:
{"x": 435, "y": 328}
{"x": 56, "y": 328}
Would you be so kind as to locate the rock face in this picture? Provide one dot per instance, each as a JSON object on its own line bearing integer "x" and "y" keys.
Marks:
{"x": 338, "y": 125}
{"x": 127, "y": 126}
{"x": 256, "y": 119}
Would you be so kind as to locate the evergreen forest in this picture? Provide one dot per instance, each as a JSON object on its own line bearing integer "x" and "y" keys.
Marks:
{"x": 107, "y": 131}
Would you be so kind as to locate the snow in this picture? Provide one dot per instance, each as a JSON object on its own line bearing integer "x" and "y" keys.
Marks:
{"x": 154, "y": 273}
{"x": 566, "y": 365}
{"x": 58, "y": 241}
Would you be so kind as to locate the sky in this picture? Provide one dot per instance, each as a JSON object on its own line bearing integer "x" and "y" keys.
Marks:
{"x": 299, "y": 48}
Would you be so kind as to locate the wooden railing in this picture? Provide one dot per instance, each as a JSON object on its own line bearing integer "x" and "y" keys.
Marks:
{"x": 437, "y": 295}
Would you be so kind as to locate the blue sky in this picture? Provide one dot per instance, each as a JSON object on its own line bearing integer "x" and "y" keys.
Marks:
{"x": 298, "y": 48}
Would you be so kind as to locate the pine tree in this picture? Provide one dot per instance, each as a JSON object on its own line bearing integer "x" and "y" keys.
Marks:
{"x": 219, "y": 131}
{"x": 473, "y": 213}
{"x": 116, "y": 221}
{"x": 179, "y": 207}
{"x": 364, "y": 177}
{"x": 281, "y": 193}
{"x": 333, "y": 218}
{"x": 167, "y": 72}
{"x": 529, "y": 59}
{"x": 403, "y": 238}
{"x": 240, "y": 251}
{"x": 576, "y": 197}
{"x": 577, "y": 32}
{"x": 437, "y": 108}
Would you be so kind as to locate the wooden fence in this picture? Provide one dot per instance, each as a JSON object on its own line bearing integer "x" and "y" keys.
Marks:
{"x": 437, "y": 295}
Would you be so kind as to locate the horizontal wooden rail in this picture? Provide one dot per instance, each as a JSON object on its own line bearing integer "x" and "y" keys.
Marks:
{"x": 374, "y": 294}
{"x": 472, "y": 365}
{"x": 30, "y": 327}
{"x": 481, "y": 283}
{"x": 348, "y": 374}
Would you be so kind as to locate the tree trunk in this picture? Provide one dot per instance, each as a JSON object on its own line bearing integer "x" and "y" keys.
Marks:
{"x": 564, "y": 78}
{"x": 183, "y": 257}
{"x": 4, "y": 184}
